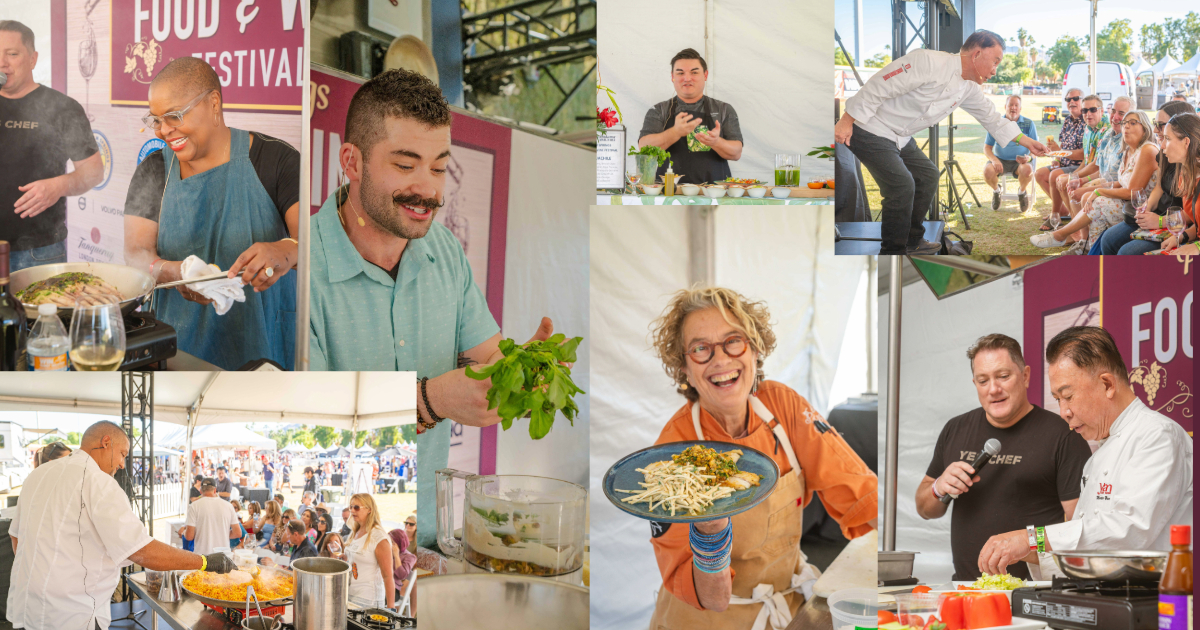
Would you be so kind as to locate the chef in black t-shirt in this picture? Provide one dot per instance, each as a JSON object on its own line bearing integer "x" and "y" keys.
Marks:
{"x": 40, "y": 130}
{"x": 699, "y": 154}
{"x": 1033, "y": 480}
{"x": 227, "y": 196}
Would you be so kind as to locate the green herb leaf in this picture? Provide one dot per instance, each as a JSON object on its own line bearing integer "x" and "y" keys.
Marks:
{"x": 530, "y": 381}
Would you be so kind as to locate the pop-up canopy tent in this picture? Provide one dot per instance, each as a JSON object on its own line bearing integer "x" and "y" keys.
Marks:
{"x": 1188, "y": 68}
{"x": 343, "y": 400}
{"x": 1139, "y": 65}
{"x": 294, "y": 448}
{"x": 213, "y": 436}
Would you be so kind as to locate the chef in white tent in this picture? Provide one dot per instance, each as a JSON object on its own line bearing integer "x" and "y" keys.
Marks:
{"x": 1137, "y": 484}
{"x": 73, "y": 533}
{"x": 211, "y": 520}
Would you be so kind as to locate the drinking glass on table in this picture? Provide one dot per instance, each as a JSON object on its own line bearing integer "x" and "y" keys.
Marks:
{"x": 1174, "y": 221}
{"x": 97, "y": 337}
{"x": 787, "y": 169}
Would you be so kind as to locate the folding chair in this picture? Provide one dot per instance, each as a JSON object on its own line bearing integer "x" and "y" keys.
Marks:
{"x": 405, "y": 608}
{"x": 1032, "y": 189}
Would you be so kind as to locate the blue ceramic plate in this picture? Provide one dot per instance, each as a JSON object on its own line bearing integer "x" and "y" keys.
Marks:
{"x": 624, "y": 475}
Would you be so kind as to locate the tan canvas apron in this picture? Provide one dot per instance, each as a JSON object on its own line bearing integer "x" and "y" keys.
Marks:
{"x": 765, "y": 558}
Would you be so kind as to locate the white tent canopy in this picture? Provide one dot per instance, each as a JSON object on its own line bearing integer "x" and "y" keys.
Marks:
{"x": 1139, "y": 65}
{"x": 294, "y": 448}
{"x": 214, "y": 436}
{"x": 1163, "y": 64}
{"x": 1188, "y": 68}
{"x": 379, "y": 399}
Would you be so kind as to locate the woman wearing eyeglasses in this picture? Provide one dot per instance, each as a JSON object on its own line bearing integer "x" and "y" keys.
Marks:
{"x": 228, "y": 196}
{"x": 713, "y": 343}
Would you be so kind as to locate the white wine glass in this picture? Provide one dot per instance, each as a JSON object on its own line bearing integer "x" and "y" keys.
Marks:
{"x": 1174, "y": 221}
{"x": 1139, "y": 200}
{"x": 1055, "y": 220}
{"x": 97, "y": 337}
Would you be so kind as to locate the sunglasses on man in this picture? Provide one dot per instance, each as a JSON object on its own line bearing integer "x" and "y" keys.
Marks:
{"x": 1091, "y": 110}
{"x": 1071, "y": 99}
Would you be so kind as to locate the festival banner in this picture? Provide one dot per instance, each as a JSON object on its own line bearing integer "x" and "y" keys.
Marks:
{"x": 1145, "y": 302}
{"x": 255, "y": 46}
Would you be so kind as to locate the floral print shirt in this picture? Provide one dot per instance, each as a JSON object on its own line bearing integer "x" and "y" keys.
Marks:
{"x": 1071, "y": 138}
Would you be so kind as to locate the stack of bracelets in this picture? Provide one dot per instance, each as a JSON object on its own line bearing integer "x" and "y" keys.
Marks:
{"x": 710, "y": 552}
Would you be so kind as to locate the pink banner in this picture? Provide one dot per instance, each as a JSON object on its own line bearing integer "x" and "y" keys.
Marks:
{"x": 1144, "y": 302}
{"x": 255, "y": 46}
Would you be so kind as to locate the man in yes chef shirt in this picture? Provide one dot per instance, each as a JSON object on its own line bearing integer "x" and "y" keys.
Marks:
{"x": 40, "y": 129}
{"x": 1138, "y": 482}
{"x": 391, "y": 288}
{"x": 73, "y": 533}
{"x": 672, "y": 125}
{"x": 910, "y": 94}
{"x": 1034, "y": 478}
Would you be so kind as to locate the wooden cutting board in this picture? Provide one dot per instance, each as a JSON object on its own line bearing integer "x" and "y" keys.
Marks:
{"x": 857, "y": 566}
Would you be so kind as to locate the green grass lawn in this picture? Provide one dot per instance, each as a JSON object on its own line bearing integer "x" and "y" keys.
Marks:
{"x": 994, "y": 233}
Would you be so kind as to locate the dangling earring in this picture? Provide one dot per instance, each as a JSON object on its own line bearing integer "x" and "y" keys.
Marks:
{"x": 683, "y": 385}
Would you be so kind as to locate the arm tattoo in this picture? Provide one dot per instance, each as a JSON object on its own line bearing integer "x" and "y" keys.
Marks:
{"x": 464, "y": 360}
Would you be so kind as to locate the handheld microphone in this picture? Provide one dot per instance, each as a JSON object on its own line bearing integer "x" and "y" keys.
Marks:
{"x": 3, "y": 79}
{"x": 989, "y": 450}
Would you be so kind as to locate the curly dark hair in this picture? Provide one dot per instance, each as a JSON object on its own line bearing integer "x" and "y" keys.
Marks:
{"x": 393, "y": 94}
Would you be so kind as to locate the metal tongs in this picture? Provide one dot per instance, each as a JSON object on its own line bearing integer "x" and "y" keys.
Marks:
{"x": 224, "y": 275}
{"x": 250, "y": 594}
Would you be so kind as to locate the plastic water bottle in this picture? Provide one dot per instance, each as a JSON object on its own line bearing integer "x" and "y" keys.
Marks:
{"x": 48, "y": 343}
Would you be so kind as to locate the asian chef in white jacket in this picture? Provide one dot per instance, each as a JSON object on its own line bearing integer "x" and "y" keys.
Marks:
{"x": 912, "y": 93}
{"x": 74, "y": 530}
{"x": 1138, "y": 482}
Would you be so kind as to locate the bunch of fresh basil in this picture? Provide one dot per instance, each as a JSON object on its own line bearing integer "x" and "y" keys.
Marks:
{"x": 532, "y": 381}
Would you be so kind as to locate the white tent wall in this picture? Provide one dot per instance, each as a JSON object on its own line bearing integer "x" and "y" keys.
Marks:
{"x": 638, "y": 260}
{"x": 935, "y": 384}
{"x": 546, "y": 274}
{"x": 748, "y": 45}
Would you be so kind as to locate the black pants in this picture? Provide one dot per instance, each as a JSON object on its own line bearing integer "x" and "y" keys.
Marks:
{"x": 907, "y": 181}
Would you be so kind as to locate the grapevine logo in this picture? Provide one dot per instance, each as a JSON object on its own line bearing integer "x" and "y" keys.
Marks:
{"x": 105, "y": 157}
{"x": 154, "y": 144}
{"x": 140, "y": 59}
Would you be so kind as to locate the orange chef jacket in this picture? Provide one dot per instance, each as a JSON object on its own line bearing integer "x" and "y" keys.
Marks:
{"x": 831, "y": 468}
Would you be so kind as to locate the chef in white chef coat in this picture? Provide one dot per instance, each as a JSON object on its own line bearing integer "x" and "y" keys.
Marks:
{"x": 910, "y": 94}
{"x": 1138, "y": 482}
{"x": 73, "y": 533}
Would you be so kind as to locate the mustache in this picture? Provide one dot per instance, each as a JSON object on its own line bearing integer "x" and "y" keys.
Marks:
{"x": 402, "y": 199}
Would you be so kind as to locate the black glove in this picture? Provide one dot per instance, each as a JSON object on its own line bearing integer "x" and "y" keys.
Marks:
{"x": 219, "y": 563}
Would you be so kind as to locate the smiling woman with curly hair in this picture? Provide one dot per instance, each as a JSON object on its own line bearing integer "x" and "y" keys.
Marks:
{"x": 713, "y": 343}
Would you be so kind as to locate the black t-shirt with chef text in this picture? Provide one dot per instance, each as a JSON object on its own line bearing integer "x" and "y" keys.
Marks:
{"x": 39, "y": 133}
{"x": 1039, "y": 466}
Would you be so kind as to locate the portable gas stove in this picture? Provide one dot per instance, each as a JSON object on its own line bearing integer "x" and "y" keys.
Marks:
{"x": 1090, "y": 604}
{"x": 147, "y": 341}
{"x": 361, "y": 620}
{"x": 236, "y": 615}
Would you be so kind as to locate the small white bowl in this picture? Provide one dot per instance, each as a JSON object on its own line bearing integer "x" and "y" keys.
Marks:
{"x": 757, "y": 192}
{"x": 737, "y": 191}
{"x": 690, "y": 190}
{"x": 652, "y": 190}
{"x": 781, "y": 192}
{"x": 714, "y": 192}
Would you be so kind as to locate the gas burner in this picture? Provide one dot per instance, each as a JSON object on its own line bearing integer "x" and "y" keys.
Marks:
{"x": 364, "y": 619}
{"x": 1090, "y": 604}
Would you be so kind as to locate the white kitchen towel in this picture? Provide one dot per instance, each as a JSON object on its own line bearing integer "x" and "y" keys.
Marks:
{"x": 223, "y": 293}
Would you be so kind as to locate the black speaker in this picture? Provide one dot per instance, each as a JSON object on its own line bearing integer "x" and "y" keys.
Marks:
{"x": 950, "y": 30}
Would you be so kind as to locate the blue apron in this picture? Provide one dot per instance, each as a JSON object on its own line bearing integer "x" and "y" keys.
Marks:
{"x": 217, "y": 215}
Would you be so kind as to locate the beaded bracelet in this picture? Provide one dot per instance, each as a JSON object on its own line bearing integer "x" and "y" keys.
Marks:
{"x": 711, "y": 552}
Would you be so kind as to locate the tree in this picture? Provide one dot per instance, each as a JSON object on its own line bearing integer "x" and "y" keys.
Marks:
{"x": 387, "y": 437}
{"x": 839, "y": 57}
{"x": 73, "y": 437}
{"x": 1064, "y": 52}
{"x": 408, "y": 433}
{"x": 1012, "y": 69}
{"x": 1025, "y": 40}
{"x": 324, "y": 435}
{"x": 1156, "y": 43}
{"x": 1183, "y": 35}
{"x": 1114, "y": 42}
{"x": 1044, "y": 72}
{"x": 878, "y": 61}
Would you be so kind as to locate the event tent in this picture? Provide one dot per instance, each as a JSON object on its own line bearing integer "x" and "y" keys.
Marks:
{"x": 1162, "y": 65}
{"x": 1188, "y": 68}
{"x": 294, "y": 448}
{"x": 1138, "y": 66}
{"x": 214, "y": 436}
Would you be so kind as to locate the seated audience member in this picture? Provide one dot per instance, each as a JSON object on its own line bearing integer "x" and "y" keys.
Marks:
{"x": 1171, "y": 187}
{"x": 1013, "y": 159}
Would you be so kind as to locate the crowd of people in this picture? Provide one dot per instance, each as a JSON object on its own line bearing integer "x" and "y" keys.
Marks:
{"x": 1126, "y": 172}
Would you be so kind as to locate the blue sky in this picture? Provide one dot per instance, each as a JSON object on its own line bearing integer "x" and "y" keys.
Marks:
{"x": 1046, "y": 21}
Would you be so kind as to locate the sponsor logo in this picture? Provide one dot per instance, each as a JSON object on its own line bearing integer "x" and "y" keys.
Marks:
{"x": 105, "y": 157}
{"x": 83, "y": 203}
{"x": 907, "y": 66}
{"x": 152, "y": 145}
{"x": 92, "y": 252}
{"x": 140, "y": 59}
{"x": 892, "y": 73}
{"x": 1105, "y": 488}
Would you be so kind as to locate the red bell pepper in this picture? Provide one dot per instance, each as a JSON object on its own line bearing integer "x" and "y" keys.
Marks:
{"x": 951, "y": 606}
{"x": 986, "y": 610}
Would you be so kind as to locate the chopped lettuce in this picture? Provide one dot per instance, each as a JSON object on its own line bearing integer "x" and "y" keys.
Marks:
{"x": 1004, "y": 582}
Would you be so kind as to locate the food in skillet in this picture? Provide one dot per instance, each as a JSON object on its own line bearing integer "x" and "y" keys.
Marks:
{"x": 231, "y": 587}
{"x": 67, "y": 288}
{"x": 692, "y": 480}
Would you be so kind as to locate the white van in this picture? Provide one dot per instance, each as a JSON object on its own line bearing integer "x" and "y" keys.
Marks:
{"x": 1114, "y": 79}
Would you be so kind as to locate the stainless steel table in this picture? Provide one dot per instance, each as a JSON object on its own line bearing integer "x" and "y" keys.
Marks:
{"x": 186, "y": 614}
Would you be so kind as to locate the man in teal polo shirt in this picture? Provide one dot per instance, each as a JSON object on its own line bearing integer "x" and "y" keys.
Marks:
{"x": 392, "y": 289}
{"x": 1012, "y": 159}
